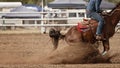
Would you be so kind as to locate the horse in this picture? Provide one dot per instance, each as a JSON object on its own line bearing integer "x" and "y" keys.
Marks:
{"x": 87, "y": 36}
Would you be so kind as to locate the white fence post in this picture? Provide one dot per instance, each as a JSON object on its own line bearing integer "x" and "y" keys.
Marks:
{"x": 42, "y": 22}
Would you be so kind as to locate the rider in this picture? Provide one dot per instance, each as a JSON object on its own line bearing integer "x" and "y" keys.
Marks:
{"x": 93, "y": 10}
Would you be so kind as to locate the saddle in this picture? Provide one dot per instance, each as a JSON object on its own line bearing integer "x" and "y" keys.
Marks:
{"x": 86, "y": 25}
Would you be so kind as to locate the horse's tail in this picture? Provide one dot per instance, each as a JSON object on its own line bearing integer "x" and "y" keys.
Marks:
{"x": 55, "y": 35}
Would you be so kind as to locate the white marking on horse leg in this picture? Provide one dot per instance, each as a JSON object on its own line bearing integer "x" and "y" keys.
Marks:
{"x": 104, "y": 53}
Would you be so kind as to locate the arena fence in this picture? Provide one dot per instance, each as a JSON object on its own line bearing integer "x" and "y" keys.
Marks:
{"x": 44, "y": 19}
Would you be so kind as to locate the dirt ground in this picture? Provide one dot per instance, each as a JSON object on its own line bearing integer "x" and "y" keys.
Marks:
{"x": 23, "y": 50}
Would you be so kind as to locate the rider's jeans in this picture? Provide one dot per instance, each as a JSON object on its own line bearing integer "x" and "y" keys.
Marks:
{"x": 100, "y": 20}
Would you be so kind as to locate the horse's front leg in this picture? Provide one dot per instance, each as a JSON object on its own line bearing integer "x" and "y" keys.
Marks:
{"x": 106, "y": 46}
{"x": 54, "y": 35}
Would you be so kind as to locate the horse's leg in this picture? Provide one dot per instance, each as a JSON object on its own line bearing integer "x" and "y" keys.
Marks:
{"x": 54, "y": 35}
{"x": 106, "y": 46}
{"x": 55, "y": 42}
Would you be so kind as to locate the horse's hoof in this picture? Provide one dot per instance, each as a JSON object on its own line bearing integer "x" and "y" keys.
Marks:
{"x": 51, "y": 33}
{"x": 104, "y": 53}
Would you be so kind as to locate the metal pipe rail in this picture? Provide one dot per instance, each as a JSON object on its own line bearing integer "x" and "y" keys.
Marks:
{"x": 44, "y": 19}
{"x": 39, "y": 19}
{"x": 44, "y": 25}
{"x": 39, "y": 12}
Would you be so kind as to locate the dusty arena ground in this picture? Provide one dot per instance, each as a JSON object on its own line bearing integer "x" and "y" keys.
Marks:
{"x": 25, "y": 50}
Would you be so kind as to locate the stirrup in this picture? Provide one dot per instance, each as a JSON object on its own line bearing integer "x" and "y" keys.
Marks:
{"x": 98, "y": 37}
